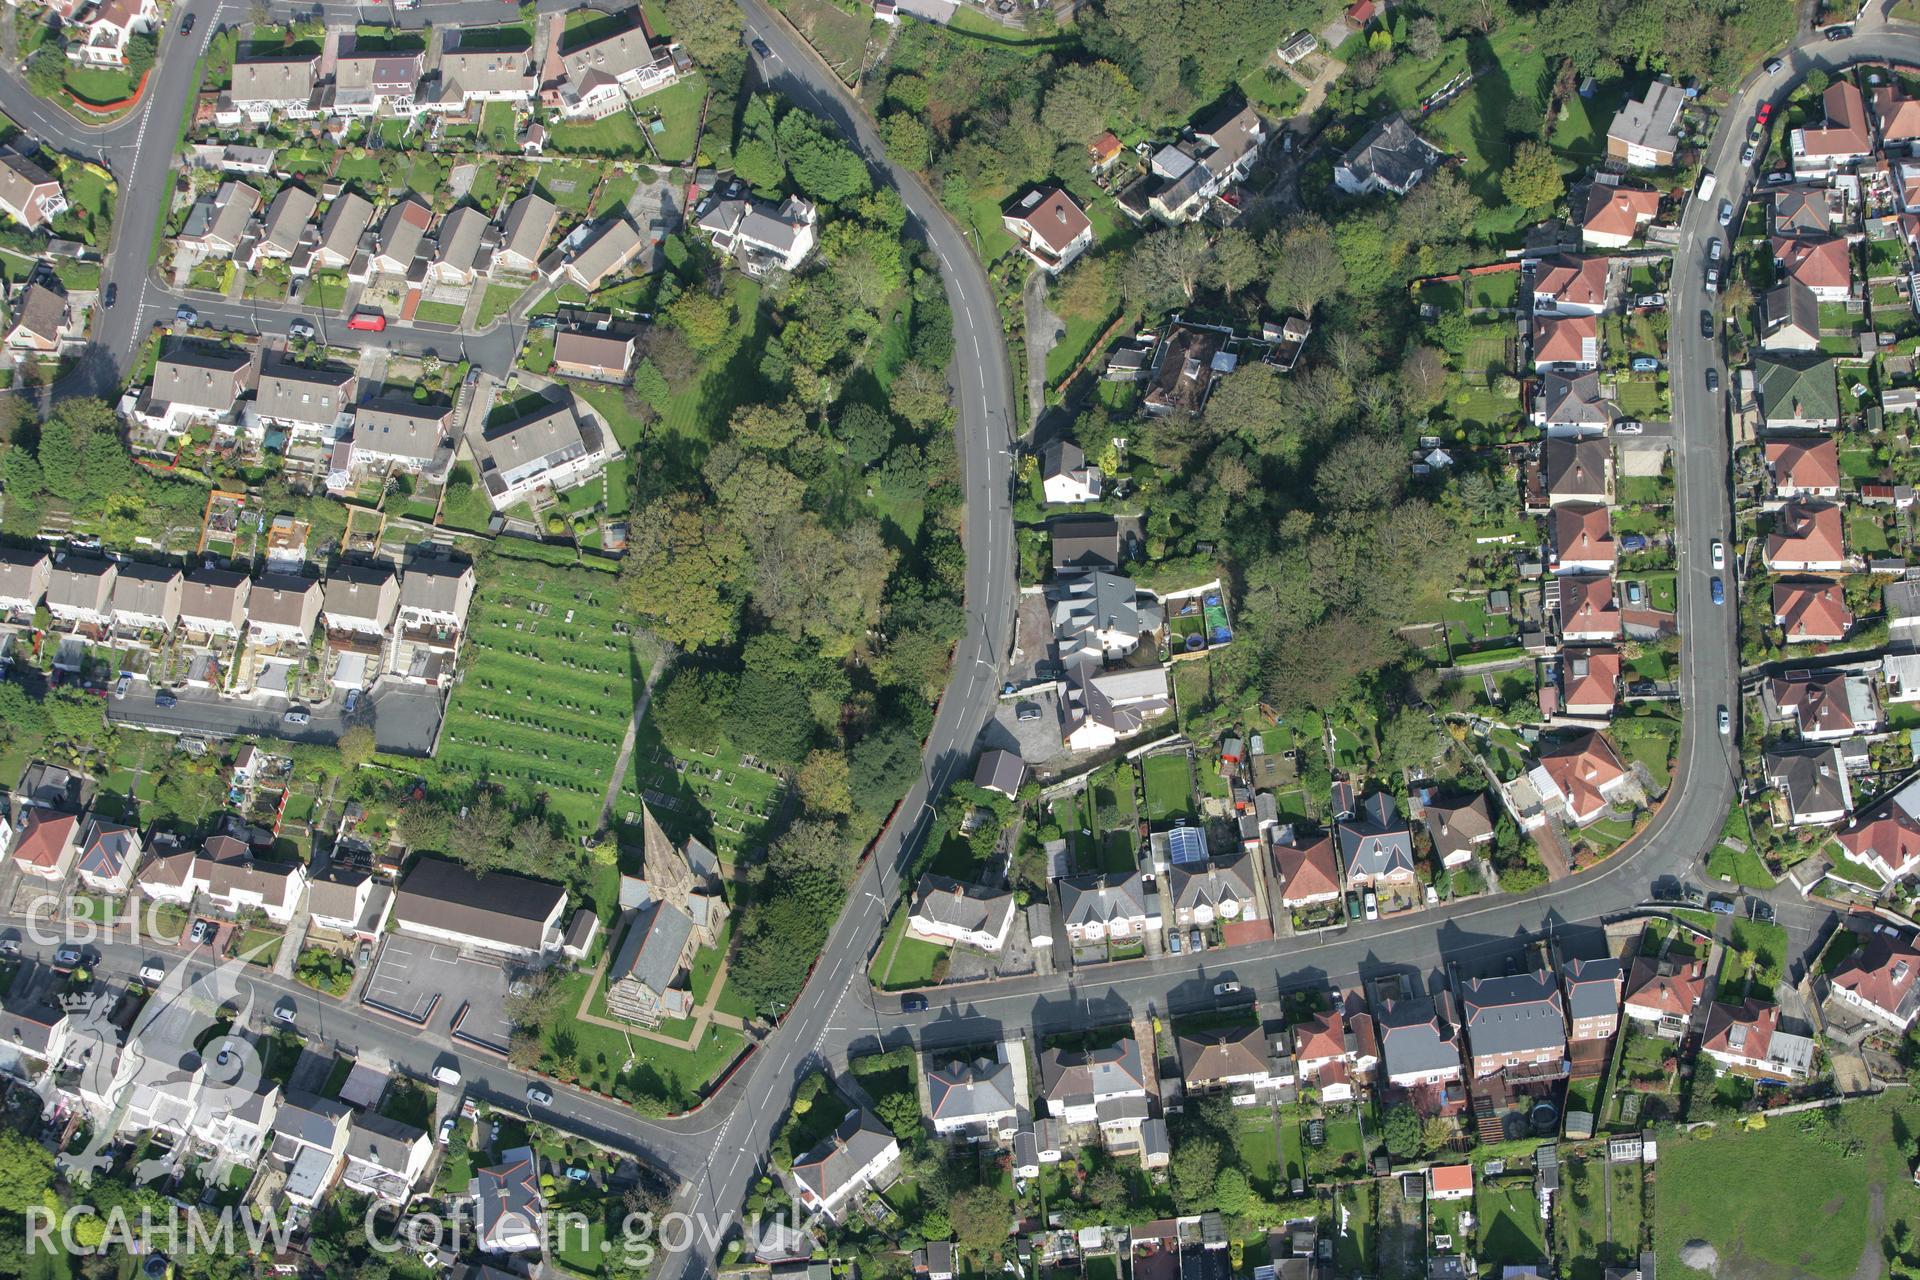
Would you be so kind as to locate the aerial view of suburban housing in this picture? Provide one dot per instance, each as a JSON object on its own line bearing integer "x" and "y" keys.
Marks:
{"x": 814, "y": 639}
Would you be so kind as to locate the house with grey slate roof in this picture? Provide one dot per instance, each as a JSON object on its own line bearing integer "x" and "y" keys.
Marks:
{"x": 509, "y": 1215}
{"x": 975, "y": 1101}
{"x": 946, "y": 912}
{"x": 1376, "y": 844}
{"x": 1593, "y": 996}
{"x": 1514, "y": 1021}
{"x": 1218, "y": 891}
{"x": 1089, "y": 1086}
{"x": 1107, "y": 906}
{"x": 854, "y": 1157}
{"x": 1418, "y": 1045}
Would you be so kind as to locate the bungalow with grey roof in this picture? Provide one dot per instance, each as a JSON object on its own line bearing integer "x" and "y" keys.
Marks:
{"x": 599, "y": 253}
{"x": 1376, "y": 844}
{"x": 217, "y": 223}
{"x": 460, "y": 250}
{"x": 284, "y": 229}
{"x": 524, "y": 230}
{"x": 346, "y": 220}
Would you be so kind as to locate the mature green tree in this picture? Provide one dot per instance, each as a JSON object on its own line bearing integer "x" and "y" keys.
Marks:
{"x": 824, "y": 784}
{"x": 679, "y": 572}
{"x": 982, "y": 1217}
{"x": 709, "y": 30}
{"x": 1195, "y": 1169}
{"x": 1532, "y": 178}
{"x": 1235, "y": 263}
{"x": 1169, "y": 264}
{"x": 481, "y": 840}
{"x": 1086, "y": 99}
{"x": 1401, "y": 1129}
{"x": 909, "y": 141}
{"x": 1306, "y": 266}
{"x": 703, "y": 318}
{"x": 919, "y": 393}
{"x": 865, "y": 433}
{"x": 1254, "y": 405}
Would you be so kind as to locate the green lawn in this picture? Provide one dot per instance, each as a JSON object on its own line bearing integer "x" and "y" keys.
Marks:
{"x": 438, "y": 313}
{"x": 1509, "y": 1224}
{"x": 1743, "y": 868}
{"x": 495, "y": 302}
{"x": 327, "y": 290}
{"x": 1754, "y": 961}
{"x": 903, "y": 962}
{"x": 1806, "y": 1198}
{"x": 677, "y": 107}
{"x": 1169, "y": 787}
{"x": 614, "y": 135}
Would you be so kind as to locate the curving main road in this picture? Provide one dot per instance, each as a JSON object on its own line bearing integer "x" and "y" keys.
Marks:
{"x": 722, "y": 1149}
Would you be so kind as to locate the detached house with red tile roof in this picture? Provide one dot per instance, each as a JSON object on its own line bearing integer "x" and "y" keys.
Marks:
{"x": 1336, "y": 1048}
{"x": 1807, "y": 537}
{"x": 1579, "y": 776}
{"x": 1663, "y": 994}
{"x": 1588, "y": 609}
{"x": 1049, "y": 227}
{"x": 1811, "y": 611}
{"x": 1582, "y": 538}
{"x": 47, "y": 844}
{"x": 1806, "y": 467}
{"x": 1570, "y": 286}
{"x": 1824, "y": 264}
{"x": 1747, "y": 1040}
{"x": 1882, "y": 978}
{"x": 1842, "y": 141}
{"x": 1897, "y": 117}
{"x": 1886, "y": 838}
{"x": 107, "y": 27}
{"x": 1566, "y": 342}
{"x": 1614, "y": 216}
{"x": 1307, "y": 869}
{"x": 1450, "y": 1182}
{"x": 1589, "y": 682}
